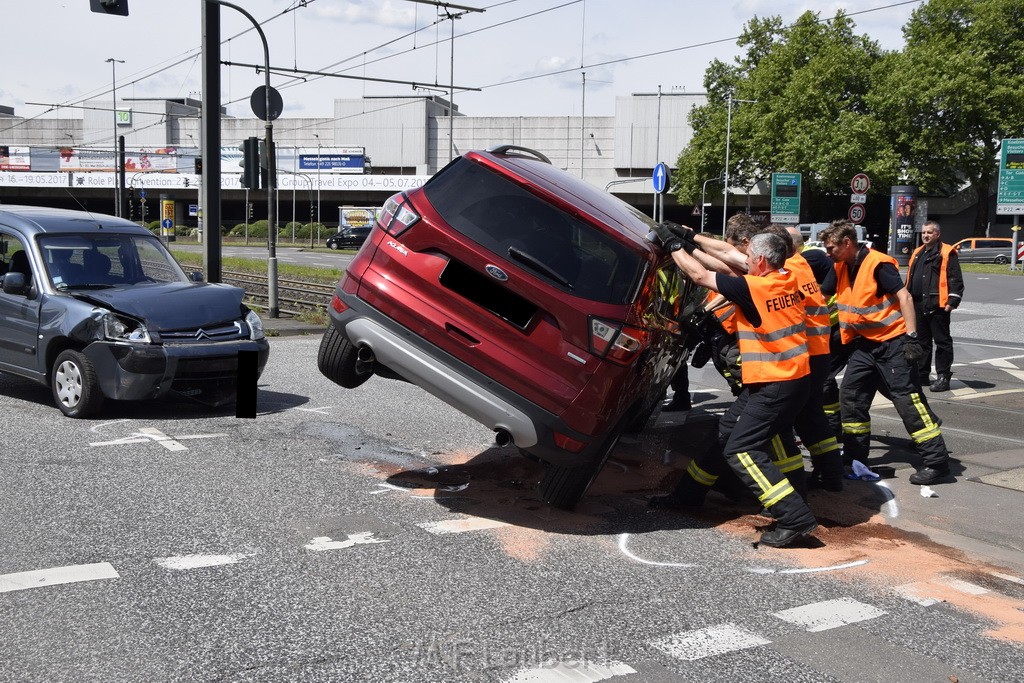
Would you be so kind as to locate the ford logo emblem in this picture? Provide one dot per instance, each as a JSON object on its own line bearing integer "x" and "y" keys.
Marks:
{"x": 496, "y": 272}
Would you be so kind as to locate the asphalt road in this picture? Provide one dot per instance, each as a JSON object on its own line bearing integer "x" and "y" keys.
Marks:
{"x": 377, "y": 535}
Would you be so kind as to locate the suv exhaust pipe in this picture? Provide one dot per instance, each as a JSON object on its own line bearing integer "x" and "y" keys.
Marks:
{"x": 502, "y": 437}
{"x": 365, "y": 359}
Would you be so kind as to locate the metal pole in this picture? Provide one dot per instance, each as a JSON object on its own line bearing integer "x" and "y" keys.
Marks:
{"x": 210, "y": 139}
{"x": 318, "y": 147}
{"x": 583, "y": 116}
{"x": 660, "y": 198}
{"x": 725, "y": 188}
{"x": 117, "y": 183}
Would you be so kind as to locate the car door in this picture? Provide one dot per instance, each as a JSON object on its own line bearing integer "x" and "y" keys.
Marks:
{"x": 966, "y": 252}
{"x": 19, "y": 313}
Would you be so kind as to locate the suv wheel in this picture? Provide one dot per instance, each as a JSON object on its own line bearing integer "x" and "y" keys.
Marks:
{"x": 1002, "y": 260}
{"x": 562, "y": 487}
{"x": 73, "y": 382}
{"x": 337, "y": 360}
{"x": 333, "y": 245}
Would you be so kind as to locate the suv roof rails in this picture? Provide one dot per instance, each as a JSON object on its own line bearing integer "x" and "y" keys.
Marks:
{"x": 505, "y": 149}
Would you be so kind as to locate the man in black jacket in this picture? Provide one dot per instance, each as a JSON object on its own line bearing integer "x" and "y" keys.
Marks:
{"x": 936, "y": 284}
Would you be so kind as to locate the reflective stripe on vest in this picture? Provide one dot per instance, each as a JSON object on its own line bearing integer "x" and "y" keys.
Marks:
{"x": 818, "y": 324}
{"x": 861, "y": 311}
{"x": 944, "y": 250}
{"x": 777, "y": 349}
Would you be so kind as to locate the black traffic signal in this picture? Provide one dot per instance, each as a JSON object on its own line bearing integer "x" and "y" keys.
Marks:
{"x": 248, "y": 211}
{"x": 250, "y": 163}
{"x": 199, "y": 166}
{"x": 265, "y": 166}
{"x": 119, "y": 7}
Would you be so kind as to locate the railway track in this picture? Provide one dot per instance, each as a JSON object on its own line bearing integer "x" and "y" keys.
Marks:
{"x": 294, "y": 297}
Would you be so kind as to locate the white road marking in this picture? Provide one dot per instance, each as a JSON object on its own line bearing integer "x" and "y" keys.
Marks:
{"x": 585, "y": 672}
{"x": 1003, "y": 362}
{"x": 150, "y": 435}
{"x": 624, "y": 538}
{"x": 321, "y": 411}
{"x": 706, "y": 642}
{"x": 1007, "y": 577}
{"x": 97, "y": 428}
{"x": 890, "y": 503}
{"x": 458, "y": 526}
{"x": 916, "y": 592}
{"x": 198, "y": 561}
{"x": 964, "y": 586}
{"x": 973, "y": 394}
{"x": 828, "y": 614}
{"x": 807, "y": 570}
{"x": 162, "y": 439}
{"x": 57, "y": 575}
{"x": 325, "y": 543}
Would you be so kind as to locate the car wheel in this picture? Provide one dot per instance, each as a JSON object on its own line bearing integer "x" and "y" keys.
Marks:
{"x": 1002, "y": 260}
{"x": 73, "y": 382}
{"x": 563, "y": 486}
{"x": 333, "y": 245}
{"x": 337, "y": 360}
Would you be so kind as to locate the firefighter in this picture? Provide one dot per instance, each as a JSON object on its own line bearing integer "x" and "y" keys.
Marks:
{"x": 876, "y": 318}
{"x": 770, "y": 321}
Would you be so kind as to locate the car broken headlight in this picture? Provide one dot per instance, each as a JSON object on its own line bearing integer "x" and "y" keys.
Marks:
{"x": 124, "y": 329}
{"x": 255, "y": 326}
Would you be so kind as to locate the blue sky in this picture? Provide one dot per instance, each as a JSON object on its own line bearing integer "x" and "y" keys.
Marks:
{"x": 505, "y": 51}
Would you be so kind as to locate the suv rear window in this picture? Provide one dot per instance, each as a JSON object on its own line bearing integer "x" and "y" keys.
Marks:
{"x": 519, "y": 226}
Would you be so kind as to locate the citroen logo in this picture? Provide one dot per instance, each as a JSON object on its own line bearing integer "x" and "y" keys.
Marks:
{"x": 496, "y": 272}
{"x": 201, "y": 334}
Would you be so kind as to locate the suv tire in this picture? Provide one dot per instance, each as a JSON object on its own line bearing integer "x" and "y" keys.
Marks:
{"x": 337, "y": 360}
{"x": 334, "y": 246}
{"x": 562, "y": 487}
{"x": 1002, "y": 260}
{"x": 74, "y": 386}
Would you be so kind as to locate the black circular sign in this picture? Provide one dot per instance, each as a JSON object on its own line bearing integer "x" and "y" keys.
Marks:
{"x": 258, "y": 102}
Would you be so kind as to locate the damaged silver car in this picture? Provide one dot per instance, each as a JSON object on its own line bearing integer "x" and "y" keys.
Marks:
{"x": 96, "y": 308}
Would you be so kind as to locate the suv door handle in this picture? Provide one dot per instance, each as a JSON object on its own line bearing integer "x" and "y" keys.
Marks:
{"x": 460, "y": 335}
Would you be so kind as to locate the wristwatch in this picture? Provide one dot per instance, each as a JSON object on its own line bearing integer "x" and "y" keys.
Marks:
{"x": 912, "y": 335}
{"x": 674, "y": 245}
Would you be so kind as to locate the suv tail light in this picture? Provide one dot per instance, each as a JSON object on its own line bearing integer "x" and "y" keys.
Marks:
{"x": 396, "y": 217}
{"x": 616, "y": 342}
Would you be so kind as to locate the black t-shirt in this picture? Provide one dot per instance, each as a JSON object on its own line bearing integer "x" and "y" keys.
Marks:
{"x": 735, "y": 289}
{"x": 823, "y": 268}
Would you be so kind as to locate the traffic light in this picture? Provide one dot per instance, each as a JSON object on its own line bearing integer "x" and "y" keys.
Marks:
{"x": 265, "y": 166}
{"x": 250, "y": 163}
{"x": 248, "y": 213}
{"x": 119, "y": 7}
{"x": 199, "y": 166}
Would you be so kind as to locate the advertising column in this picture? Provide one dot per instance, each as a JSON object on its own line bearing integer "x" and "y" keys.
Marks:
{"x": 167, "y": 219}
{"x": 901, "y": 222}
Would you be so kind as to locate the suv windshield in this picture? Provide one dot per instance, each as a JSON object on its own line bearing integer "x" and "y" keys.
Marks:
{"x": 521, "y": 227}
{"x": 91, "y": 261}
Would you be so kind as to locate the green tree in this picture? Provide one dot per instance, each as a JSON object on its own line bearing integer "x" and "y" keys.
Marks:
{"x": 953, "y": 93}
{"x": 809, "y": 82}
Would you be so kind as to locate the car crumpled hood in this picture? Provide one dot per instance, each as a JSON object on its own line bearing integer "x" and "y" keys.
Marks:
{"x": 172, "y": 305}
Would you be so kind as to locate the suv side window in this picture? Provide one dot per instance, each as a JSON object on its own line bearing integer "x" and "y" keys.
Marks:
{"x": 14, "y": 256}
{"x": 992, "y": 244}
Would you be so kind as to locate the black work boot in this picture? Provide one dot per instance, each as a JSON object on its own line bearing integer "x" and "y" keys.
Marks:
{"x": 680, "y": 402}
{"x": 940, "y": 384}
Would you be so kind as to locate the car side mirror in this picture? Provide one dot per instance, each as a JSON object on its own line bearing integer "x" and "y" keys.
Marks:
{"x": 195, "y": 276}
{"x": 14, "y": 283}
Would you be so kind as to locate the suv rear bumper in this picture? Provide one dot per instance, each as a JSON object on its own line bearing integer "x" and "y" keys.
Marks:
{"x": 454, "y": 382}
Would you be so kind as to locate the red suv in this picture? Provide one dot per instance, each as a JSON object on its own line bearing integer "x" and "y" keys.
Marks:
{"x": 521, "y": 295}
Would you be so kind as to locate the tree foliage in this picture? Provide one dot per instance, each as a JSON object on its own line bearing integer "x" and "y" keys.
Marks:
{"x": 954, "y": 93}
{"x": 829, "y": 103}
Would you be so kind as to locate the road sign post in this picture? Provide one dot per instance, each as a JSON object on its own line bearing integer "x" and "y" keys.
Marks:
{"x": 659, "y": 179}
{"x": 786, "y": 198}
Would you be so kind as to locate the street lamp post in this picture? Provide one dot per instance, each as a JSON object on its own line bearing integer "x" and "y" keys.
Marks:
{"x": 317, "y": 189}
{"x": 113, "y": 83}
{"x": 725, "y": 187}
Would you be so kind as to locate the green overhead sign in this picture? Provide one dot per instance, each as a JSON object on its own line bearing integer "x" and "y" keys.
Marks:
{"x": 1010, "y": 192}
{"x": 785, "y": 198}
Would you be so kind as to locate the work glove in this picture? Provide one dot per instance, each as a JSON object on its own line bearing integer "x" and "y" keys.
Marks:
{"x": 674, "y": 236}
{"x": 913, "y": 352}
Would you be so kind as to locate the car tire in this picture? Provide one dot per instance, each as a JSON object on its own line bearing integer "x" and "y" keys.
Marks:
{"x": 562, "y": 486}
{"x": 73, "y": 384}
{"x": 337, "y": 360}
{"x": 1002, "y": 260}
{"x": 333, "y": 246}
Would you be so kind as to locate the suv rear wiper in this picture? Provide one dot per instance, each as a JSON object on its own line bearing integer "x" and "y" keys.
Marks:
{"x": 538, "y": 265}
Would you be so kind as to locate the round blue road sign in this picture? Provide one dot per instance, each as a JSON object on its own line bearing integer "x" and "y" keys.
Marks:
{"x": 660, "y": 178}
{"x": 167, "y": 223}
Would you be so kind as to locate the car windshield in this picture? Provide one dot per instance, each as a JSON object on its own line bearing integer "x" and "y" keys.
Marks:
{"x": 97, "y": 261}
{"x": 521, "y": 226}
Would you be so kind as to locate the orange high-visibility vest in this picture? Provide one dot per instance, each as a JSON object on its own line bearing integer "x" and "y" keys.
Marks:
{"x": 775, "y": 351}
{"x": 945, "y": 250}
{"x": 861, "y": 311}
{"x": 726, "y": 314}
{"x": 818, "y": 323}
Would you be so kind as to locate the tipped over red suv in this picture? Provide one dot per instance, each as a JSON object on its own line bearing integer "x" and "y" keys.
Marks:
{"x": 524, "y": 297}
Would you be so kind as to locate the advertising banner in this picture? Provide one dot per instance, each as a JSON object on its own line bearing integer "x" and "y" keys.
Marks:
{"x": 15, "y": 158}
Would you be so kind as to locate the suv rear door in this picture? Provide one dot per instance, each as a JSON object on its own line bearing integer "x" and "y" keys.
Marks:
{"x": 497, "y": 275}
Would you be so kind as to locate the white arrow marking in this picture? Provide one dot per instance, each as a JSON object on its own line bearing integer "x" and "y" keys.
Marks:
{"x": 325, "y": 542}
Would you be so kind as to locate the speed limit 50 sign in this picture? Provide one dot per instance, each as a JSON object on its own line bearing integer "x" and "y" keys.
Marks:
{"x": 856, "y": 213}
